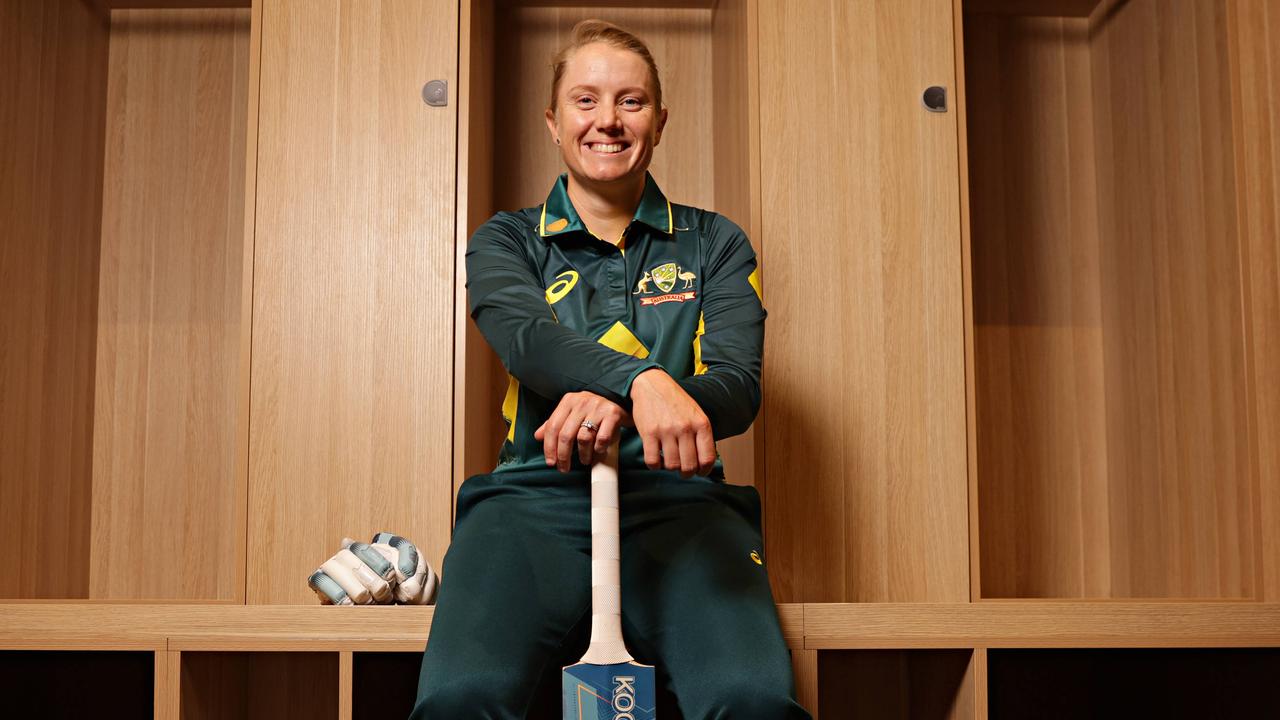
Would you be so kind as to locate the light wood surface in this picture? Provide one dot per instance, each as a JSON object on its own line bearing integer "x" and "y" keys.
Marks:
{"x": 1178, "y": 463}
{"x": 247, "y": 255}
{"x": 169, "y": 309}
{"x": 1040, "y": 401}
{"x": 809, "y": 626}
{"x": 1254, "y": 30}
{"x": 804, "y": 667}
{"x": 220, "y": 627}
{"x": 53, "y": 66}
{"x": 353, "y": 285}
{"x": 1041, "y": 623}
{"x": 981, "y": 682}
{"x": 736, "y": 169}
{"x": 966, "y": 272}
{"x": 478, "y": 375}
{"x": 345, "y": 663}
{"x": 1111, "y": 422}
{"x": 242, "y": 627}
{"x": 168, "y": 689}
{"x": 864, "y": 408}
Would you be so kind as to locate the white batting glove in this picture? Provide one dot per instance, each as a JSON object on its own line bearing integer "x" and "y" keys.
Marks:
{"x": 356, "y": 575}
{"x": 416, "y": 582}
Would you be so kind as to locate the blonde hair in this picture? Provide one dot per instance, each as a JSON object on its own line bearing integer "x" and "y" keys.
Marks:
{"x": 593, "y": 31}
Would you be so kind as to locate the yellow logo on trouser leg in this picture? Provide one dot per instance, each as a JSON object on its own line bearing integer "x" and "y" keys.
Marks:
{"x": 756, "y": 557}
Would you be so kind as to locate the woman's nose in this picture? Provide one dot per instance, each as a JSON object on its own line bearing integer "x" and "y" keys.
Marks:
{"x": 607, "y": 117}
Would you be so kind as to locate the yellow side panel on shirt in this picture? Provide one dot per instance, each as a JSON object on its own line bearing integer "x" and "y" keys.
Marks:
{"x": 698, "y": 367}
{"x": 509, "y": 405}
{"x": 754, "y": 279}
{"x": 624, "y": 341}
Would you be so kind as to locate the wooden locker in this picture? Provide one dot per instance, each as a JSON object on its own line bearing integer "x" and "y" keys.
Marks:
{"x": 353, "y": 285}
{"x": 864, "y": 411}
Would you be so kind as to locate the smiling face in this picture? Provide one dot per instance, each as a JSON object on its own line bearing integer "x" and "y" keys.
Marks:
{"x": 606, "y": 117}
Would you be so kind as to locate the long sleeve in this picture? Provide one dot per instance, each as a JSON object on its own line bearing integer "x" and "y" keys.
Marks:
{"x": 508, "y": 304}
{"x": 730, "y": 341}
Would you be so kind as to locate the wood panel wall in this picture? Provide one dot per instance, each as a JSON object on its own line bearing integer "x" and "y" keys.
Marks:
{"x": 1254, "y": 30}
{"x": 353, "y": 285}
{"x": 477, "y": 422}
{"x": 166, "y": 471}
{"x": 736, "y": 168}
{"x": 1041, "y": 425}
{"x": 52, "y": 103}
{"x": 864, "y": 414}
{"x": 1109, "y": 343}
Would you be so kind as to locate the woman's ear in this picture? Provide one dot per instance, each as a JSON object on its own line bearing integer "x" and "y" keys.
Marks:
{"x": 662, "y": 123}
{"x": 551, "y": 125}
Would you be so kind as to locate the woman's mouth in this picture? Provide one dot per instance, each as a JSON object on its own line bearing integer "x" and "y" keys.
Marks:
{"x": 606, "y": 148}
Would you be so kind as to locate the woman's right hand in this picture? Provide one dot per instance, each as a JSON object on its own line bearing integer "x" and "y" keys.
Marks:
{"x": 564, "y": 429}
{"x": 676, "y": 432}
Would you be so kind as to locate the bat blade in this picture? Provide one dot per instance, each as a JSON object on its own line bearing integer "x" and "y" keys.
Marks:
{"x": 621, "y": 691}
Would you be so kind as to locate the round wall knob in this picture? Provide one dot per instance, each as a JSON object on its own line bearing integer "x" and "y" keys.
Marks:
{"x": 935, "y": 99}
{"x": 436, "y": 93}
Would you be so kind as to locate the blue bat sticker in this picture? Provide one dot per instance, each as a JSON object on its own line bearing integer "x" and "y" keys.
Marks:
{"x": 623, "y": 691}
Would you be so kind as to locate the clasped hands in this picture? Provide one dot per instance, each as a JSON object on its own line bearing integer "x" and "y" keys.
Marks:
{"x": 676, "y": 433}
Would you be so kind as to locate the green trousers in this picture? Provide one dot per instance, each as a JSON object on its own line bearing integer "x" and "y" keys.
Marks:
{"x": 515, "y": 599}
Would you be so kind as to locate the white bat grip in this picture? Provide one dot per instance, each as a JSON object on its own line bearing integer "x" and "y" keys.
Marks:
{"x": 606, "y": 646}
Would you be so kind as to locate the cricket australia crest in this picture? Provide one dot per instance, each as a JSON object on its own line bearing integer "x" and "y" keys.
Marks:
{"x": 664, "y": 278}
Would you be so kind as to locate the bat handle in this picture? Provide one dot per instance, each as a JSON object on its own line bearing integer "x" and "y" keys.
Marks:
{"x": 607, "y": 647}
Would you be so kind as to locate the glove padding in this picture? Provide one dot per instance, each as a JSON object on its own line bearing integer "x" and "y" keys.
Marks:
{"x": 416, "y": 582}
{"x": 386, "y": 570}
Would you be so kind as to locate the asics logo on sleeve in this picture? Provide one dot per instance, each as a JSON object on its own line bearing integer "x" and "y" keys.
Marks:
{"x": 561, "y": 287}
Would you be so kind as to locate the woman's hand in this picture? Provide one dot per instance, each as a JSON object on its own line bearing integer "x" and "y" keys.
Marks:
{"x": 676, "y": 433}
{"x": 564, "y": 429}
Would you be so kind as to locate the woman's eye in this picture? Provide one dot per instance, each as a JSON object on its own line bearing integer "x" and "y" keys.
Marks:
{"x": 631, "y": 103}
{"x": 586, "y": 102}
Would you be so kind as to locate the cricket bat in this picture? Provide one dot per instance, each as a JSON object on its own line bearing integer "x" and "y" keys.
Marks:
{"x": 607, "y": 683}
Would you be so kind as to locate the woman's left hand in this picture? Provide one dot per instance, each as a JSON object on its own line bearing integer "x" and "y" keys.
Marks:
{"x": 565, "y": 428}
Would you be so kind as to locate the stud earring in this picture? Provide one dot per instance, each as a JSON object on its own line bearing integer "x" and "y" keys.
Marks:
{"x": 557, "y": 141}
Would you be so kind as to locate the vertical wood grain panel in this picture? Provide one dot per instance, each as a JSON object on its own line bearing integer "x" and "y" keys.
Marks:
{"x": 345, "y": 662}
{"x": 804, "y": 668}
{"x": 735, "y": 94}
{"x": 1172, "y": 328}
{"x": 350, "y": 414}
{"x": 169, "y": 310}
{"x": 1038, "y": 342}
{"x": 1255, "y": 37}
{"x": 478, "y": 377}
{"x": 168, "y": 691}
{"x": 53, "y": 58}
{"x": 864, "y": 361}
{"x": 1112, "y": 415}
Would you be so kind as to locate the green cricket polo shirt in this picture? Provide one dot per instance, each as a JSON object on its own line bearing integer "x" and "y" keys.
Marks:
{"x": 567, "y": 311}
